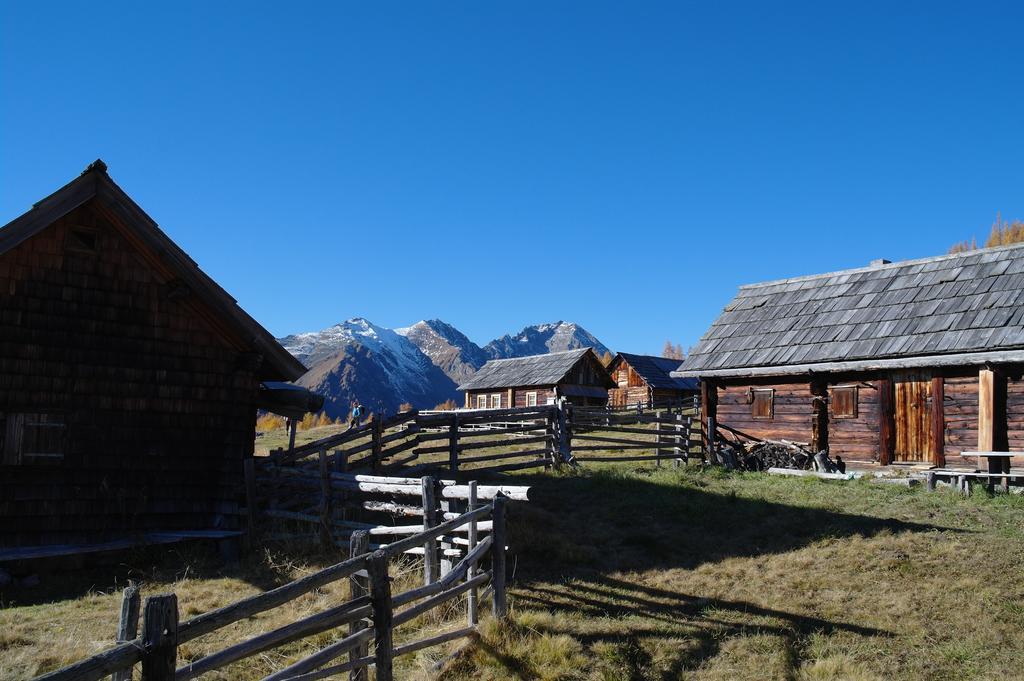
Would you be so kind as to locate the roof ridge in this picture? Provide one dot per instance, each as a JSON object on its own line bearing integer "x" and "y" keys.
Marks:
{"x": 872, "y": 268}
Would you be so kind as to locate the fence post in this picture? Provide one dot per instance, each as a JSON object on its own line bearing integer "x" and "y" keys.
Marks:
{"x": 128, "y": 626}
{"x": 326, "y": 542}
{"x": 471, "y": 597}
{"x": 160, "y": 638}
{"x": 498, "y": 555}
{"x": 453, "y": 444}
{"x": 658, "y": 451}
{"x": 375, "y": 434}
{"x": 359, "y": 586}
{"x": 564, "y": 429}
{"x": 249, "y": 469}
{"x": 380, "y": 600}
{"x": 712, "y": 439}
{"x": 446, "y": 561}
{"x": 292, "y": 427}
{"x": 430, "y": 564}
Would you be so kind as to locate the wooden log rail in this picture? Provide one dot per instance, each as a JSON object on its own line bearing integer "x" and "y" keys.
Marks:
{"x": 371, "y": 615}
{"x": 503, "y": 440}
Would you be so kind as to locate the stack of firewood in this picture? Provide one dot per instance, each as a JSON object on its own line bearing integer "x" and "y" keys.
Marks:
{"x": 758, "y": 455}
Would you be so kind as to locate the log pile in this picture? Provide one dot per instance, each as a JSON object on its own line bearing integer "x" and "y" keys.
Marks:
{"x": 756, "y": 454}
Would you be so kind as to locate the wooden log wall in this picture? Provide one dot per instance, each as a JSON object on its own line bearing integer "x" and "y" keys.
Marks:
{"x": 792, "y": 418}
{"x": 960, "y": 407}
{"x": 159, "y": 407}
{"x": 856, "y": 439}
{"x": 1015, "y": 412}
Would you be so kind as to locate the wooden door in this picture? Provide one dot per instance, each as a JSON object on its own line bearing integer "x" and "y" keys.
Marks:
{"x": 913, "y": 409}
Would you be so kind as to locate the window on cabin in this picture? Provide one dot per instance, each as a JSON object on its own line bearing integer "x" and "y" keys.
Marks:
{"x": 496, "y": 401}
{"x": 531, "y": 399}
{"x": 82, "y": 240}
{"x": 32, "y": 438}
{"x": 481, "y": 401}
{"x": 844, "y": 402}
{"x": 762, "y": 403}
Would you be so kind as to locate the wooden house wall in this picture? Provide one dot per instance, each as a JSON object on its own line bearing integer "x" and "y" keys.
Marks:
{"x": 1015, "y": 412}
{"x": 856, "y": 439}
{"x": 960, "y": 413}
{"x": 160, "y": 410}
{"x": 620, "y": 397}
{"x": 792, "y": 411}
{"x": 544, "y": 393}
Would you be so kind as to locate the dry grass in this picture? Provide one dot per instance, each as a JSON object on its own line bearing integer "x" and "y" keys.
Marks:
{"x": 70, "y": 617}
{"x": 632, "y": 573}
{"x": 627, "y": 571}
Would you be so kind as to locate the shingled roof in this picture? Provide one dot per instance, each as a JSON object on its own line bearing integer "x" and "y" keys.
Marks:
{"x": 657, "y": 371}
{"x": 943, "y": 311}
{"x": 95, "y": 184}
{"x": 525, "y": 371}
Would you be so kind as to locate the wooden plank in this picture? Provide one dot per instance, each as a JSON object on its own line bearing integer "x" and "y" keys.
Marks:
{"x": 431, "y": 564}
{"x": 886, "y": 422}
{"x": 453, "y": 445}
{"x": 514, "y": 442}
{"x": 359, "y": 587}
{"x": 498, "y": 538}
{"x": 380, "y": 598}
{"x": 128, "y": 625}
{"x": 351, "y": 612}
{"x": 160, "y": 638}
{"x": 938, "y": 422}
{"x": 326, "y": 541}
{"x": 504, "y": 455}
{"x": 249, "y": 471}
{"x": 247, "y": 607}
{"x": 99, "y": 666}
{"x": 321, "y": 657}
{"x": 472, "y": 616}
{"x": 432, "y": 602}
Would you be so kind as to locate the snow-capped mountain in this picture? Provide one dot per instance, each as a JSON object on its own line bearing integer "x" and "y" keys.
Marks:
{"x": 544, "y": 338}
{"x": 360, "y": 360}
{"x": 447, "y": 347}
{"x": 421, "y": 364}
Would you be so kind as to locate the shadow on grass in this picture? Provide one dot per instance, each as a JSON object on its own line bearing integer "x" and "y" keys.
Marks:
{"x": 577, "y": 533}
{"x": 75, "y": 576}
{"x": 609, "y": 522}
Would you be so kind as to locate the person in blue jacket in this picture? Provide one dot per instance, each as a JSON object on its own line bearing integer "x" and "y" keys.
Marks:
{"x": 357, "y": 414}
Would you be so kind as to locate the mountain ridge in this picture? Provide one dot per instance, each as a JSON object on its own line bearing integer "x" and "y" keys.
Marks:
{"x": 421, "y": 364}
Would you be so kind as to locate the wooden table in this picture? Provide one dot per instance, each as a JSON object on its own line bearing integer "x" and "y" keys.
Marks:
{"x": 998, "y": 464}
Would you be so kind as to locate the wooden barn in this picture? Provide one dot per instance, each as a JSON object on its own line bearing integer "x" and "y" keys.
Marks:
{"x": 129, "y": 380}
{"x": 647, "y": 380}
{"x": 914, "y": 361}
{"x": 577, "y": 375}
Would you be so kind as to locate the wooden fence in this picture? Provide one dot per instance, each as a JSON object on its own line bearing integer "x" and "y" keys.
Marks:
{"x": 504, "y": 440}
{"x": 372, "y": 614}
{"x": 671, "y": 430}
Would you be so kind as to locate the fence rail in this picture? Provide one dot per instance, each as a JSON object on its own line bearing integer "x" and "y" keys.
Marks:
{"x": 502, "y": 440}
{"x": 372, "y": 613}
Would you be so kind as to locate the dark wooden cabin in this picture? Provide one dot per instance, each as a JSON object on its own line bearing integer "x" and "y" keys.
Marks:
{"x": 129, "y": 380}
{"x": 577, "y": 375}
{"x": 647, "y": 380}
{"x": 913, "y": 361}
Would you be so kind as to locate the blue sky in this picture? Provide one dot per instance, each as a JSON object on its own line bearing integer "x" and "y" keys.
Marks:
{"x": 622, "y": 165}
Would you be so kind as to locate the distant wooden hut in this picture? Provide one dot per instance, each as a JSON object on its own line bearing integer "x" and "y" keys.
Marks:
{"x": 129, "y": 380}
{"x": 646, "y": 379}
{"x": 577, "y": 375}
{"x": 913, "y": 361}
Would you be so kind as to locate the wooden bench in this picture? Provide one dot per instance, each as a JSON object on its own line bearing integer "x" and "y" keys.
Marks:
{"x": 998, "y": 465}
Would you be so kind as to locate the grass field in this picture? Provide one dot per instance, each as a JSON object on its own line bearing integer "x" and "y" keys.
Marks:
{"x": 630, "y": 572}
